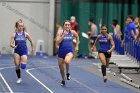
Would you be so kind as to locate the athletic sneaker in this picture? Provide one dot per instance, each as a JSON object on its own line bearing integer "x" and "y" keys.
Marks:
{"x": 19, "y": 80}
{"x": 62, "y": 83}
{"x": 68, "y": 76}
{"x": 105, "y": 79}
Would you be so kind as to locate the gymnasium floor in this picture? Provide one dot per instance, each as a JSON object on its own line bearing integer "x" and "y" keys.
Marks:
{"x": 42, "y": 76}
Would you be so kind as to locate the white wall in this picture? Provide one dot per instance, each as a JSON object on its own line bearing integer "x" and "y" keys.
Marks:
{"x": 34, "y": 13}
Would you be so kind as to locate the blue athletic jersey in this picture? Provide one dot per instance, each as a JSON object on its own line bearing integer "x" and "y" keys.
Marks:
{"x": 20, "y": 39}
{"x": 129, "y": 27}
{"x": 65, "y": 45}
{"x": 66, "y": 42}
{"x": 104, "y": 43}
{"x": 20, "y": 42}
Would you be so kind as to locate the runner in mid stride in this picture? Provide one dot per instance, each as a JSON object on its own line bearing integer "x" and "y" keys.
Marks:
{"x": 105, "y": 49}
{"x": 18, "y": 42}
{"x": 65, "y": 52}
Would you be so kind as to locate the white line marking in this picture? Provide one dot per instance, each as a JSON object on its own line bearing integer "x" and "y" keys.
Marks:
{"x": 42, "y": 67}
{"x": 93, "y": 90}
{"x": 11, "y": 91}
{"x": 84, "y": 85}
{"x": 52, "y": 67}
{"x": 7, "y": 67}
{"x": 3, "y": 87}
{"x": 38, "y": 80}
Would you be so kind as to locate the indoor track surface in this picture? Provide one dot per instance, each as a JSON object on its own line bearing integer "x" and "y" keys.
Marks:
{"x": 42, "y": 76}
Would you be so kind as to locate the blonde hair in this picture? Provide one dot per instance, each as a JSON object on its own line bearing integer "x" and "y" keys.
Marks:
{"x": 17, "y": 23}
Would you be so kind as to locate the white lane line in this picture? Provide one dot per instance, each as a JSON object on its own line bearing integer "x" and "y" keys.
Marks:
{"x": 38, "y": 79}
{"x": 53, "y": 67}
{"x": 42, "y": 67}
{"x": 6, "y": 67}
{"x": 11, "y": 91}
{"x": 84, "y": 85}
{"x": 29, "y": 74}
{"x": 3, "y": 87}
{"x": 93, "y": 90}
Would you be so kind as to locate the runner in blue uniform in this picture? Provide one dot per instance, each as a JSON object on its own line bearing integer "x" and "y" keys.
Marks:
{"x": 106, "y": 47}
{"x": 65, "y": 52}
{"x": 18, "y": 42}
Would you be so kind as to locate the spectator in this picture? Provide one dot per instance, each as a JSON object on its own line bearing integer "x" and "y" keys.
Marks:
{"x": 74, "y": 24}
{"x": 137, "y": 24}
{"x": 75, "y": 27}
{"x": 59, "y": 27}
{"x": 92, "y": 34}
{"x": 117, "y": 29}
{"x": 130, "y": 29}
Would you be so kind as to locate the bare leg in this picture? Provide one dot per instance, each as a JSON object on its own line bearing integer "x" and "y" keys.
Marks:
{"x": 17, "y": 64}
{"x": 103, "y": 60}
{"x": 67, "y": 60}
{"x": 61, "y": 67}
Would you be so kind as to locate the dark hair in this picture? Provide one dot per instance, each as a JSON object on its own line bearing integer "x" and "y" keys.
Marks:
{"x": 91, "y": 20}
{"x": 66, "y": 21}
{"x": 130, "y": 16}
{"x": 104, "y": 26}
{"x": 114, "y": 22}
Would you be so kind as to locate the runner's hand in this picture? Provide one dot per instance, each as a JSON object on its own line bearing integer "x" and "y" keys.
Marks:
{"x": 92, "y": 48}
{"x": 15, "y": 46}
{"x": 109, "y": 51}
{"x": 32, "y": 52}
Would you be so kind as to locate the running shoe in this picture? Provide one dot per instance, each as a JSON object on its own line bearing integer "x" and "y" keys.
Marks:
{"x": 19, "y": 80}
{"x": 62, "y": 83}
{"x": 105, "y": 79}
{"x": 68, "y": 76}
